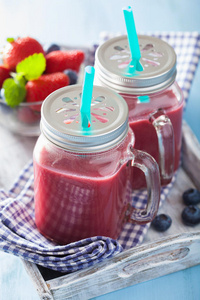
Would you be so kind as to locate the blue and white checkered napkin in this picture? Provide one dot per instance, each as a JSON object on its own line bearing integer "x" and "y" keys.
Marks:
{"x": 18, "y": 232}
{"x": 20, "y": 236}
{"x": 186, "y": 46}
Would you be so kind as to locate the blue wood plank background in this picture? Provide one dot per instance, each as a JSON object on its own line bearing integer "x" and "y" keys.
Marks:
{"x": 79, "y": 23}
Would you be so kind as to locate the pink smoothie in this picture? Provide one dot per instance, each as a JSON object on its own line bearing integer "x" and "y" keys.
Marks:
{"x": 80, "y": 196}
{"x": 145, "y": 133}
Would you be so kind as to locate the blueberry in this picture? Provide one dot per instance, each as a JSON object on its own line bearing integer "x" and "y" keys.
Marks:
{"x": 191, "y": 197}
{"x": 191, "y": 215}
{"x": 52, "y": 47}
{"x": 73, "y": 77}
{"x": 2, "y": 94}
{"x": 161, "y": 222}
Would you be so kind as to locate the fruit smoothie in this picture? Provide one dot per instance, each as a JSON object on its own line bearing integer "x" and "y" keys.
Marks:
{"x": 79, "y": 196}
{"x": 154, "y": 99}
{"x": 83, "y": 170}
{"x": 146, "y": 138}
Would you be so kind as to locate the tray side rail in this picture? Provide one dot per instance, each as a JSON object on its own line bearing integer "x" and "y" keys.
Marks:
{"x": 191, "y": 155}
{"x": 131, "y": 267}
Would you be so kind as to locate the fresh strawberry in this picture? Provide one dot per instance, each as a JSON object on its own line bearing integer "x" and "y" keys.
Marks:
{"x": 39, "y": 89}
{"x": 58, "y": 61}
{"x": 19, "y": 49}
{"x": 4, "y": 74}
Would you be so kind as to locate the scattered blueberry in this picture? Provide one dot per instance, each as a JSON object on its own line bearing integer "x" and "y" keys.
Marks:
{"x": 2, "y": 94}
{"x": 73, "y": 77}
{"x": 191, "y": 215}
{"x": 52, "y": 47}
{"x": 191, "y": 197}
{"x": 161, "y": 222}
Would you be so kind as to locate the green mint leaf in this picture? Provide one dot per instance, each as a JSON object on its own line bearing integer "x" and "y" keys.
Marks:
{"x": 19, "y": 77}
{"x": 14, "y": 92}
{"x": 32, "y": 67}
{"x": 10, "y": 40}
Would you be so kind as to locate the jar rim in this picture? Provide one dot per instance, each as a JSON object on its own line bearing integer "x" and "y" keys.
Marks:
{"x": 158, "y": 72}
{"x": 100, "y": 136}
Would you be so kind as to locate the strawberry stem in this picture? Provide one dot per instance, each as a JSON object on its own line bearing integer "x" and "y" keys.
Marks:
{"x": 10, "y": 40}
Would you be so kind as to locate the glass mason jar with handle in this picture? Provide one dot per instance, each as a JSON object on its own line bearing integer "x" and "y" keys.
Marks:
{"x": 82, "y": 175}
{"x": 154, "y": 98}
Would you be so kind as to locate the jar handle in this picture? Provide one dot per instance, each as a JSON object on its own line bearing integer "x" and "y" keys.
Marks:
{"x": 165, "y": 134}
{"x": 147, "y": 164}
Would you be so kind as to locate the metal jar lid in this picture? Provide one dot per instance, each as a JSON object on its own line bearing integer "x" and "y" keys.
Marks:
{"x": 61, "y": 119}
{"x": 158, "y": 60}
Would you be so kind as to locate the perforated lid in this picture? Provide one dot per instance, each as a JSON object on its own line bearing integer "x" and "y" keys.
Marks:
{"x": 61, "y": 119}
{"x": 114, "y": 69}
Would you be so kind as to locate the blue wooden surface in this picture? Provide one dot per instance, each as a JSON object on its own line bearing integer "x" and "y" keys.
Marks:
{"x": 15, "y": 284}
{"x": 182, "y": 285}
{"x": 53, "y": 21}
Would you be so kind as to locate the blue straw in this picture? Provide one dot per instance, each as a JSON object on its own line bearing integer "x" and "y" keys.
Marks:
{"x": 132, "y": 37}
{"x": 87, "y": 95}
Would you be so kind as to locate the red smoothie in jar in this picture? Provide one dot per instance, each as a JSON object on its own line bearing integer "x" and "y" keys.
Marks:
{"x": 83, "y": 174}
{"x": 80, "y": 196}
{"x": 154, "y": 99}
{"x": 139, "y": 121}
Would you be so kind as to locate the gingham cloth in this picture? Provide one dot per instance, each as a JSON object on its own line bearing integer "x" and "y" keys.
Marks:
{"x": 18, "y": 232}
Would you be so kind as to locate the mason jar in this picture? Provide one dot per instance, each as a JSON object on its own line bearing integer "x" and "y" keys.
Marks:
{"x": 154, "y": 99}
{"x": 83, "y": 174}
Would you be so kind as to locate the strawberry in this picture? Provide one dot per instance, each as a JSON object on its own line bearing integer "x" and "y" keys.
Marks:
{"x": 39, "y": 89}
{"x": 19, "y": 49}
{"x": 58, "y": 61}
{"x": 4, "y": 74}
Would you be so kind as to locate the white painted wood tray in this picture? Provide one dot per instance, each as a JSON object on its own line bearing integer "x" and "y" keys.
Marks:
{"x": 160, "y": 254}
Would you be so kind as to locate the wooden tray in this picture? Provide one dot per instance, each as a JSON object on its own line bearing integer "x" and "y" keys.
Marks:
{"x": 176, "y": 249}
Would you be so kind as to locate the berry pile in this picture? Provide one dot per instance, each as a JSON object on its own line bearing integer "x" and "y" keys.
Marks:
{"x": 30, "y": 74}
{"x": 190, "y": 214}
